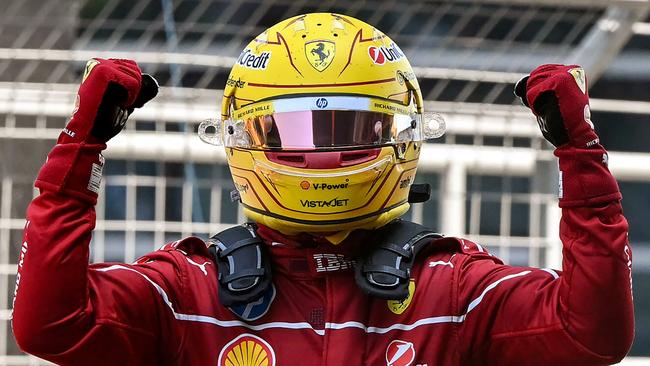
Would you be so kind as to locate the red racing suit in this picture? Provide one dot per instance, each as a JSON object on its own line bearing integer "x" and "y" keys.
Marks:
{"x": 465, "y": 306}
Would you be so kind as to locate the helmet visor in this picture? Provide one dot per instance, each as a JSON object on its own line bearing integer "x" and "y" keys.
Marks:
{"x": 314, "y": 129}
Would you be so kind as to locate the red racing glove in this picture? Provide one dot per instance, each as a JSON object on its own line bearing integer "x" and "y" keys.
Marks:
{"x": 109, "y": 91}
{"x": 557, "y": 95}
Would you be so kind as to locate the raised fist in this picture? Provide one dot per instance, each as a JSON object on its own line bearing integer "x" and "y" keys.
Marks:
{"x": 109, "y": 91}
{"x": 557, "y": 95}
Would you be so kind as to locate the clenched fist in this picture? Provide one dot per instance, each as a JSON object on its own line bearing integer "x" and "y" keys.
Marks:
{"x": 109, "y": 91}
{"x": 557, "y": 95}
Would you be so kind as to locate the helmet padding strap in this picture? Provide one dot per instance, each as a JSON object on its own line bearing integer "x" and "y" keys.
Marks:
{"x": 385, "y": 272}
{"x": 244, "y": 268}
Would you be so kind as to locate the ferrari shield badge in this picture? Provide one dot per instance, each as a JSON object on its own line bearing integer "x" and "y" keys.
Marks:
{"x": 398, "y": 307}
{"x": 89, "y": 67}
{"x": 579, "y": 75}
{"x": 320, "y": 53}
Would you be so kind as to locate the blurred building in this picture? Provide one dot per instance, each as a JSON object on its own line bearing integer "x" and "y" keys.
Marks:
{"x": 493, "y": 175}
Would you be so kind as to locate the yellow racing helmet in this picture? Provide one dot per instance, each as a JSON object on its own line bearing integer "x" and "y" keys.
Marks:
{"x": 322, "y": 121}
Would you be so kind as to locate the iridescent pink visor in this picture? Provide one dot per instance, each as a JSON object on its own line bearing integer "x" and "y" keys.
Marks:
{"x": 327, "y": 129}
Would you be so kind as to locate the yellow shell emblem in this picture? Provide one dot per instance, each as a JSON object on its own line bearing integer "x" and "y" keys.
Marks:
{"x": 320, "y": 53}
{"x": 398, "y": 307}
{"x": 247, "y": 350}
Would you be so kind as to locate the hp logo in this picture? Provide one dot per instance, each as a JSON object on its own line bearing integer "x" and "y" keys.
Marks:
{"x": 321, "y": 103}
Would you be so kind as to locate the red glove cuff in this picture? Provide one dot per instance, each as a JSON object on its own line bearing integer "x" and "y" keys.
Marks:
{"x": 585, "y": 179}
{"x": 74, "y": 169}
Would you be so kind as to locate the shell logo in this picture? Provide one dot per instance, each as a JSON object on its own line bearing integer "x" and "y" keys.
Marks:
{"x": 247, "y": 350}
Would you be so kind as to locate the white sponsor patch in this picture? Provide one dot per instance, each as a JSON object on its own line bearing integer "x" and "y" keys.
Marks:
{"x": 95, "y": 178}
{"x": 330, "y": 103}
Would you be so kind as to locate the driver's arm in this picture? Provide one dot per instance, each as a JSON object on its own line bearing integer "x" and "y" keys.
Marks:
{"x": 583, "y": 315}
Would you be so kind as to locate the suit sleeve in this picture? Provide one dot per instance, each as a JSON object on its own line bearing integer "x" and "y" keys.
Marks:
{"x": 64, "y": 310}
{"x": 581, "y": 316}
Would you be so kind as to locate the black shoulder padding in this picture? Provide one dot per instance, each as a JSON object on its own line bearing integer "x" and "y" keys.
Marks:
{"x": 386, "y": 271}
{"x": 244, "y": 266}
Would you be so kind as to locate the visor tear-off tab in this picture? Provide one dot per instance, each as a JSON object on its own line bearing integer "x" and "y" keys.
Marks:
{"x": 419, "y": 192}
{"x": 385, "y": 272}
{"x": 244, "y": 269}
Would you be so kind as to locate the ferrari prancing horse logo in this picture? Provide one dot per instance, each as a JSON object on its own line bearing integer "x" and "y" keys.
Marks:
{"x": 397, "y": 306}
{"x": 320, "y": 53}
